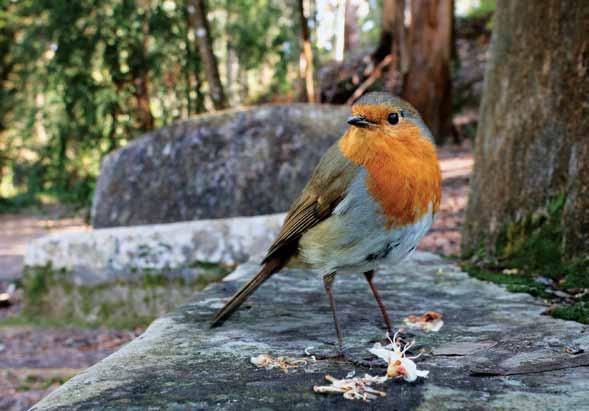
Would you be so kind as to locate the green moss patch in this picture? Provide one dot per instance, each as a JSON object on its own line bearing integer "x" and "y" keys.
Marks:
{"x": 529, "y": 257}
{"x": 516, "y": 283}
{"x": 52, "y": 298}
{"x": 38, "y": 382}
{"x": 574, "y": 312}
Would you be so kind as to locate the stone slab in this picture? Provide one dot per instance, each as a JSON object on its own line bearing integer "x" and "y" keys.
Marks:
{"x": 130, "y": 275}
{"x": 103, "y": 255}
{"x": 179, "y": 363}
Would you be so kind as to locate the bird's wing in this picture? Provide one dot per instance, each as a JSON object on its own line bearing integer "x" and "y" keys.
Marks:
{"x": 325, "y": 189}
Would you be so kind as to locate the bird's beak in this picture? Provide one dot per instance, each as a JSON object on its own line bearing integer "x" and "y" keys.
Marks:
{"x": 360, "y": 121}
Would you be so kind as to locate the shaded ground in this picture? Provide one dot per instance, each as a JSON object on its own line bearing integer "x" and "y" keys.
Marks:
{"x": 495, "y": 350}
{"x": 16, "y": 230}
{"x": 444, "y": 237}
{"x": 34, "y": 361}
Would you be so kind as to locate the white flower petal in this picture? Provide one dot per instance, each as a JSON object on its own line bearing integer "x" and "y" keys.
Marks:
{"x": 411, "y": 371}
{"x": 398, "y": 363}
{"x": 381, "y": 352}
{"x": 422, "y": 373}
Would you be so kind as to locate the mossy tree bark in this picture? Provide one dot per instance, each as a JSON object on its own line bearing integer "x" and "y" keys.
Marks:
{"x": 532, "y": 145}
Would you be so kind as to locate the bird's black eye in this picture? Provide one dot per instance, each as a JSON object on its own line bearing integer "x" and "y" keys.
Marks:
{"x": 393, "y": 118}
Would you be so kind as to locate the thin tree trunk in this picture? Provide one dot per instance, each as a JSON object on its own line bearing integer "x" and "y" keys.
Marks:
{"x": 351, "y": 32}
{"x": 197, "y": 11}
{"x": 141, "y": 79}
{"x": 7, "y": 36}
{"x": 229, "y": 56}
{"x": 200, "y": 97}
{"x": 393, "y": 42}
{"x": 6, "y": 66}
{"x": 427, "y": 82}
{"x": 306, "y": 58}
{"x": 146, "y": 121}
{"x": 531, "y": 179}
{"x": 186, "y": 69}
{"x": 392, "y": 31}
{"x": 195, "y": 63}
{"x": 112, "y": 134}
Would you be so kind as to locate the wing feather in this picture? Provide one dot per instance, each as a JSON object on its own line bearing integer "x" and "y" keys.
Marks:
{"x": 325, "y": 189}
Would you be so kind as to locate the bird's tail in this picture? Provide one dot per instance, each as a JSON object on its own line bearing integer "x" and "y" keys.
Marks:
{"x": 239, "y": 298}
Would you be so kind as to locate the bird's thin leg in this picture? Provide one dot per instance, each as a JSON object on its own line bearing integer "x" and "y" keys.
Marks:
{"x": 328, "y": 282}
{"x": 385, "y": 316}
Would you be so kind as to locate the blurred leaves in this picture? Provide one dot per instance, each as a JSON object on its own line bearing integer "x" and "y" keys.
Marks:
{"x": 79, "y": 79}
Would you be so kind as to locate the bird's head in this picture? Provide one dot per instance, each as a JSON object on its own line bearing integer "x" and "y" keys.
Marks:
{"x": 382, "y": 113}
{"x": 381, "y": 122}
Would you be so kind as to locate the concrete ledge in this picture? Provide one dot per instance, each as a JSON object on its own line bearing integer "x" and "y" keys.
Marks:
{"x": 164, "y": 246}
{"x": 180, "y": 363}
{"x": 129, "y": 274}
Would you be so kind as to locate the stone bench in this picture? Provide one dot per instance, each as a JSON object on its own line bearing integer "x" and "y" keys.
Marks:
{"x": 128, "y": 275}
{"x": 179, "y": 363}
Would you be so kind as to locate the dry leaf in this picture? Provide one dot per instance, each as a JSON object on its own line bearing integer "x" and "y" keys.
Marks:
{"x": 430, "y": 321}
{"x": 284, "y": 363}
{"x": 353, "y": 388}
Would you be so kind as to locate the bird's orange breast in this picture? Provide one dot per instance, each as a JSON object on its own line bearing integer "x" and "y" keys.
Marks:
{"x": 403, "y": 171}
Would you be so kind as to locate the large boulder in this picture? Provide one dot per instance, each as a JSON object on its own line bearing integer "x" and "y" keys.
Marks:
{"x": 234, "y": 163}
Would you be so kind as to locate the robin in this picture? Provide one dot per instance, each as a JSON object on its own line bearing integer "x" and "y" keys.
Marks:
{"x": 370, "y": 200}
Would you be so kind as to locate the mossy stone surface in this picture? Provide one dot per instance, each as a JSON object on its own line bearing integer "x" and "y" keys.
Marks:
{"x": 132, "y": 299}
{"x": 531, "y": 248}
{"x": 180, "y": 363}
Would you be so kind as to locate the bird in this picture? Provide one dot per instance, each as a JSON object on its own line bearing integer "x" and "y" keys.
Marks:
{"x": 370, "y": 200}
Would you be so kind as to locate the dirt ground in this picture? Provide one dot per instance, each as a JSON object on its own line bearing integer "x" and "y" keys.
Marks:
{"x": 16, "y": 230}
{"x": 34, "y": 361}
{"x": 444, "y": 236}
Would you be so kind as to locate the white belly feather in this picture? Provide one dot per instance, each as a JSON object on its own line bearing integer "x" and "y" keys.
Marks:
{"x": 355, "y": 237}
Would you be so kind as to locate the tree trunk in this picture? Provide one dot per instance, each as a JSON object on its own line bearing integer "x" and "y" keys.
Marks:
{"x": 140, "y": 73}
{"x": 7, "y": 35}
{"x": 427, "y": 82}
{"x": 198, "y": 13}
{"x": 141, "y": 92}
{"x": 351, "y": 29}
{"x": 306, "y": 71}
{"x": 195, "y": 64}
{"x": 532, "y": 145}
{"x": 392, "y": 31}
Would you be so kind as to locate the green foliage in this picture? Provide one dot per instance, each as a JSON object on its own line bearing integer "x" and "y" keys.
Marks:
{"x": 80, "y": 79}
{"x": 517, "y": 283}
{"x": 52, "y": 299}
{"x": 484, "y": 8}
{"x": 575, "y": 312}
{"x": 37, "y": 382}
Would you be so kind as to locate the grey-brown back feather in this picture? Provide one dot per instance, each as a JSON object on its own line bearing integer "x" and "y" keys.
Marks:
{"x": 326, "y": 188}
